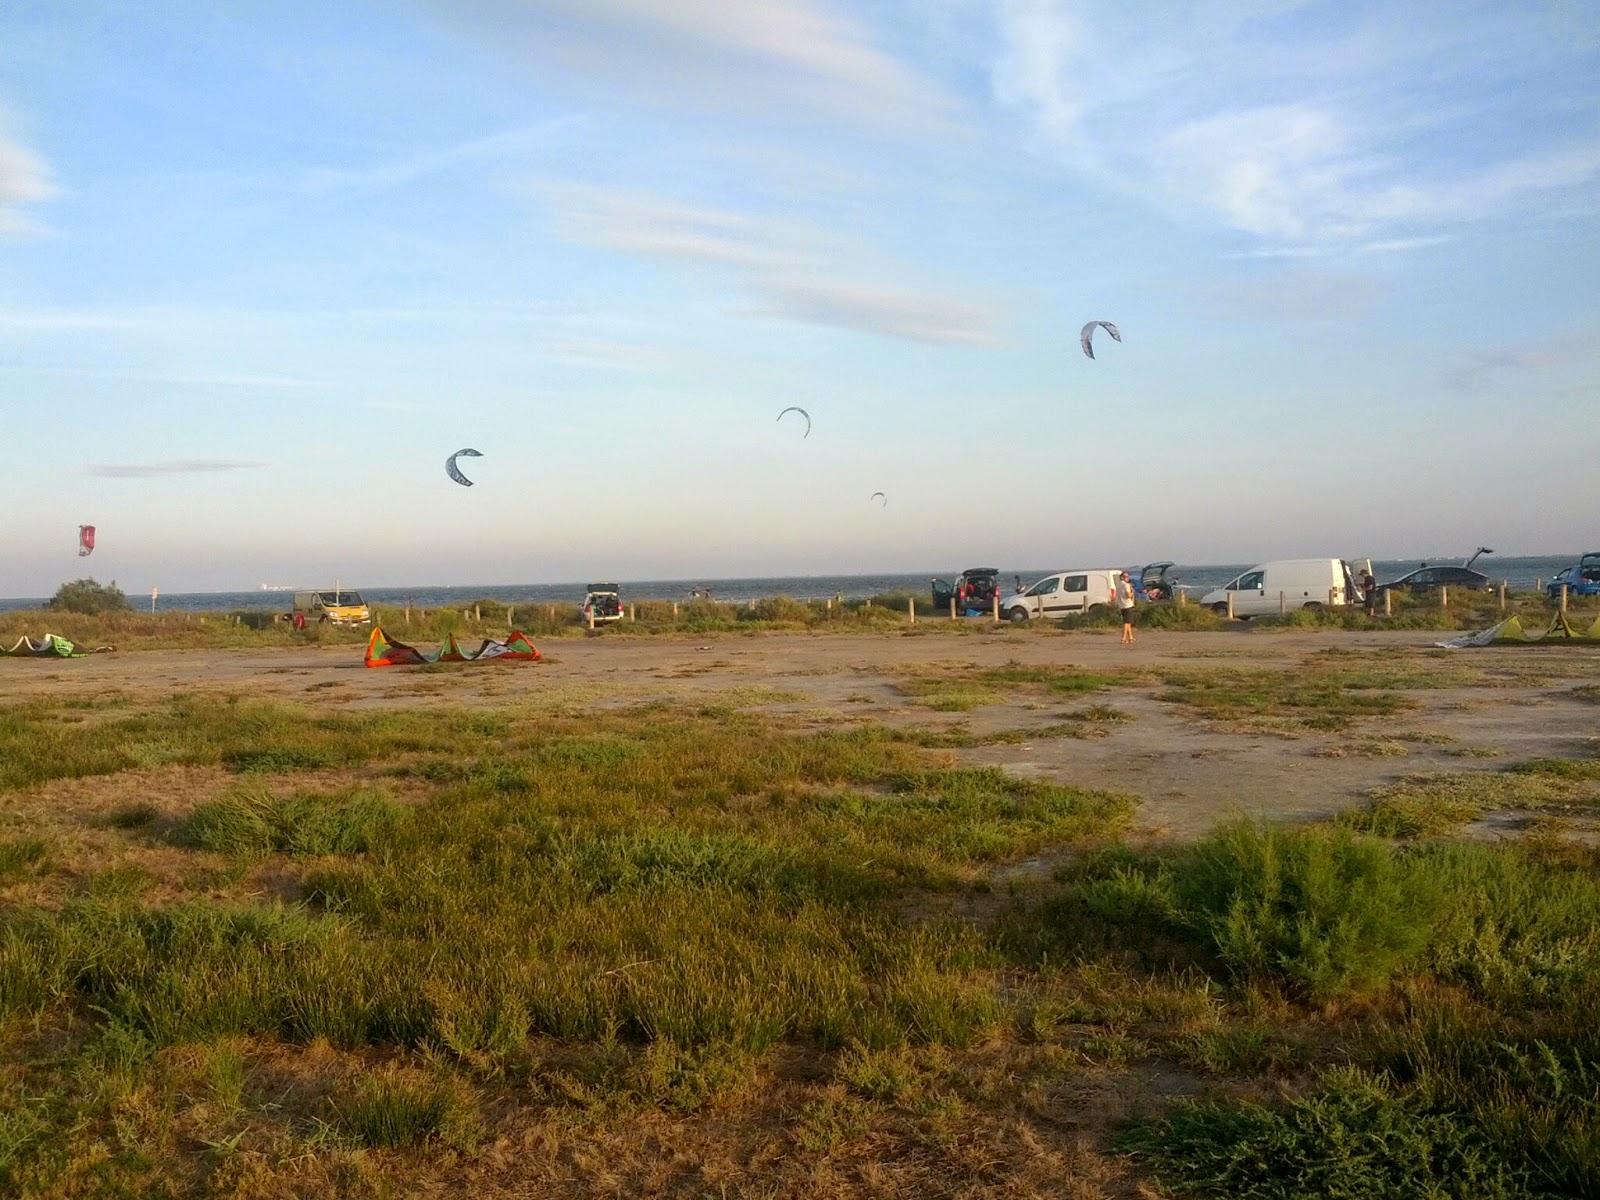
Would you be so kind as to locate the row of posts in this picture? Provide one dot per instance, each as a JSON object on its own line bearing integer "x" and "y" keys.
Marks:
{"x": 632, "y": 610}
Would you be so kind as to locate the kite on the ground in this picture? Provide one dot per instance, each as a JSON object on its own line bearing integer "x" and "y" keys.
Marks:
{"x": 1085, "y": 337}
{"x": 454, "y": 471}
{"x": 85, "y": 540}
{"x": 381, "y": 652}
{"x": 797, "y": 409}
{"x": 880, "y": 496}
{"x": 51, "y": 645}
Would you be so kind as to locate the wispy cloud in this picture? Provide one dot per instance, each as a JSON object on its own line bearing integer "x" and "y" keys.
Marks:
{"x": 790, "y": 269}
{"x": 1277, "y": 120}
{"x": 731, "y": 54}
{"x": 1572, "y": 359}
{"x": 24, "y": 180}
{"x": 175, "y": 466}
{"x": 1295, "y": 295}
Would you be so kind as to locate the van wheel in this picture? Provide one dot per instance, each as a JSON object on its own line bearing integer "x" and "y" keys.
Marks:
{"x": 1220, "y": 609}
{"x": 1093, "y": 609}
{"x": 1016, "y": 615}
{"x": 1312, "y": 606}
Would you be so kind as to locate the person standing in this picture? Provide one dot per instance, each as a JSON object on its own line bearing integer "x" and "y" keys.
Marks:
{"x": 1369, "y": 592}
{"x": 1125, "y": 602}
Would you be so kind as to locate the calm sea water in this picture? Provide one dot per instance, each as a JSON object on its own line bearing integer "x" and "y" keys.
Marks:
{"x": 1200, "y": 578}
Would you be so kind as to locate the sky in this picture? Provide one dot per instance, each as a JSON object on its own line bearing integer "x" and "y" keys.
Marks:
{"x": 263, "y": 267}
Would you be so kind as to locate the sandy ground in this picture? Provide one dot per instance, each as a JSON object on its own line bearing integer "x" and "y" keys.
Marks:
{"x": 1189, "y": 773}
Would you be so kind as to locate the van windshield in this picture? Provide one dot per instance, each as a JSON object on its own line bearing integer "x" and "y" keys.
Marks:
{"x": 340, "y": 599}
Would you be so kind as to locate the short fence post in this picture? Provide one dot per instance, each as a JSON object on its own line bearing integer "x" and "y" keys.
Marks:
{"x": 1183, "y": 599}
{"x": 477, "y": 614}
{"x": 1283, "y": 604}
{"x": 1388, "y": 602}
{"x": 1503, "y": 595}
{"x": 952, "y": 608}
{"x": 1230, "y": 606}
{"x": 1332, "y": 593}
{"x": 997, "y": 606}
{"x": 911, "y": 609}
{"x": 511, "y": 616}
{"x": 408, "y": 616}
{"x": 1444, "y": 597}
{"x": 591, "y": 616}
{"x": 829, "y": 608}
{"x": 550, "y": 613}
{"x": 674, "y": 610}
{"x": 1538, "y": 584}
{"x": 1563, "y": 597}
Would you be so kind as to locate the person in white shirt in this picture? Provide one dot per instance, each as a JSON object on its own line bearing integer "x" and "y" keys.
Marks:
{"x": 1125, "y": 603}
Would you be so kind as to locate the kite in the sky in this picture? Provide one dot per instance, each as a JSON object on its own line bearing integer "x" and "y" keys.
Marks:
{"x": 85, "y": 540}
{"x": 1088, "y": 332}
{"x": 803, "y": 413}
{"x": 880, "y": 496}
{"x": 455, "y": 471}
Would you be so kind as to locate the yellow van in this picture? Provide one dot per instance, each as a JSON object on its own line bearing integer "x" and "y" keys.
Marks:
{"x": 338, "y": 607}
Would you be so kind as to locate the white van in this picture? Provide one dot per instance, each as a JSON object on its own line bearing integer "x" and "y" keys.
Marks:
{"x": 1285, "y": 586}
{"x": 1063, "y": 594}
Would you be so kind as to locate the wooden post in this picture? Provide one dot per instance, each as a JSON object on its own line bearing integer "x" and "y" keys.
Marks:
{"x": 591, "y": 616}
{"x": 1538, "y": 584}
{"x": 828, "y": 605}
{"x": 408, "y": 614}
{"x": 477, "y": 615}
{"x": 1563, "y": 597}
{"x": 997, "y": 604}
{"x": 1332, "y": 593}
{"x": 1283, "y": 604}
{"x": 1444, "y": 597}
{"x": 1183, "y": 599}
{"x": 1230, "y": 606}
{"x": 752, "y": 604}
{"x": 911, "y": 609}
{"x": 1503, "y": 583}
{"x": 674, "y": 610}
{"x": 1388, "y": 602}
{"x": 511, "y": 616}
{"x": 953, "y": 608}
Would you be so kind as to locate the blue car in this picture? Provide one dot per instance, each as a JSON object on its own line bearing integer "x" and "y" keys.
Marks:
{"x": 1581, "y": 580}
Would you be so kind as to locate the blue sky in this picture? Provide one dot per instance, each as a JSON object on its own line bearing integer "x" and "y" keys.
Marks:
{"x": 263, "y": 267}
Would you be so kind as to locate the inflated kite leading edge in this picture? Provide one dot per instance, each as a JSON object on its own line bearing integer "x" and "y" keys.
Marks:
{"x": 51, "y": 645}
{"x": 381, "y": 652}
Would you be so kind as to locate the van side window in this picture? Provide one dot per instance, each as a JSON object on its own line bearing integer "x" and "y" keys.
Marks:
{"x": 1250, "y": 582}
{"x": 1045, "y": 586}
{"x": 1076, "y": 583}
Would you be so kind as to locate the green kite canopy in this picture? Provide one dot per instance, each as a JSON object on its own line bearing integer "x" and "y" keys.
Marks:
{"x": 1510, "y": 633}
{"x": 51, "y": 645}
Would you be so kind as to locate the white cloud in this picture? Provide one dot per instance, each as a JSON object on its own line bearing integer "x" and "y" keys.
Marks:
{"x": 24, "y": 180}
{"x": 792, "y": 270}
{"x": 730, "y": 54}
{"x": 1263, "y": 119}
{"x": 176, "y": 466}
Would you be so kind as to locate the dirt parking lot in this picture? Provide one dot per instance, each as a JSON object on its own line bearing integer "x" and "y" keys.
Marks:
{"x": 1190, "y": 765}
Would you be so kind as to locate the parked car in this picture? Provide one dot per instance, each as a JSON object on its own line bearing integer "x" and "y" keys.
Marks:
{"x": 1430, "y": 579}
{"x": 1150, "y": 582}
{"x": 603, "y": 603}
{"x": 336, "y": 607}
{"x": 1290, "y": 584}
{"x": 1066, "y": 593}
{"x": 1580, "y": 580}
{"x": 974, "y": 590}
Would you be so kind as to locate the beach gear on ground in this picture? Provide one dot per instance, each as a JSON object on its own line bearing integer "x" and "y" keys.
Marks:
{"x": 383, "y": 652}
{"x": 1510, "y": 633}
{"x": 1085, "y": 337}
{"x": 51, "y": 645}
{"x": 454, "y": 471}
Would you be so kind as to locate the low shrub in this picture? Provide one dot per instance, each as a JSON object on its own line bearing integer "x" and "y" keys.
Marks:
{"x": 399, "y": 1107}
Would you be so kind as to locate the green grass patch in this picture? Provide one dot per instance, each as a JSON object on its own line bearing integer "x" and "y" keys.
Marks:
{"x": 1424, "y": 805}
{"x": 21, "y": 857}
{"x": 253, "y": 822}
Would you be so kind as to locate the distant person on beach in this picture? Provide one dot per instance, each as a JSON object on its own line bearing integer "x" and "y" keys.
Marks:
{"x": 1369, "y": 592}
{"x": 1125, "y": 602}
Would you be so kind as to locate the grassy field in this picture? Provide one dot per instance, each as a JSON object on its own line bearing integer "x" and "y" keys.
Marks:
{"x": 252, "y": 949}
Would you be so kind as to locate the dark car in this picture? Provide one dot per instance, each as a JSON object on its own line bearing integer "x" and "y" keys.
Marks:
{"x": 973, "y": 591}
{"x": 1150, "y": 582}
{"x": 1431, "y": 579}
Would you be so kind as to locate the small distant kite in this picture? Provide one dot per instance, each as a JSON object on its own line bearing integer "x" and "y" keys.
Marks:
{"x": 85, "y": 540}
{"x": 454, "y": 471}
{"x": 1088, "y": 333}
{"x": 803, "y": 413}
{"x": 880, "y": 497}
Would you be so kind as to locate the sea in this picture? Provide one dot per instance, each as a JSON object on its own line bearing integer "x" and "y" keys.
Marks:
{"x": 1521, "y": 573}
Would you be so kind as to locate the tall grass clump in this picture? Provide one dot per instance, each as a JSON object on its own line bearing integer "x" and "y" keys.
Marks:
{"x": 248, "y": 822}
{"x": 1353, "y": 1140}
{"x": 394, "y": 1107}
{"x": 1324, "y": 911}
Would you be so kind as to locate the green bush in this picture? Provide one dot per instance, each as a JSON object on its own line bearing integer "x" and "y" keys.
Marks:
{"x": 1322, "y": 910}
{"x": 395, "y": 1107}
{"x": 1356, "y": 1140}
{"x": 89, "y": 597}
